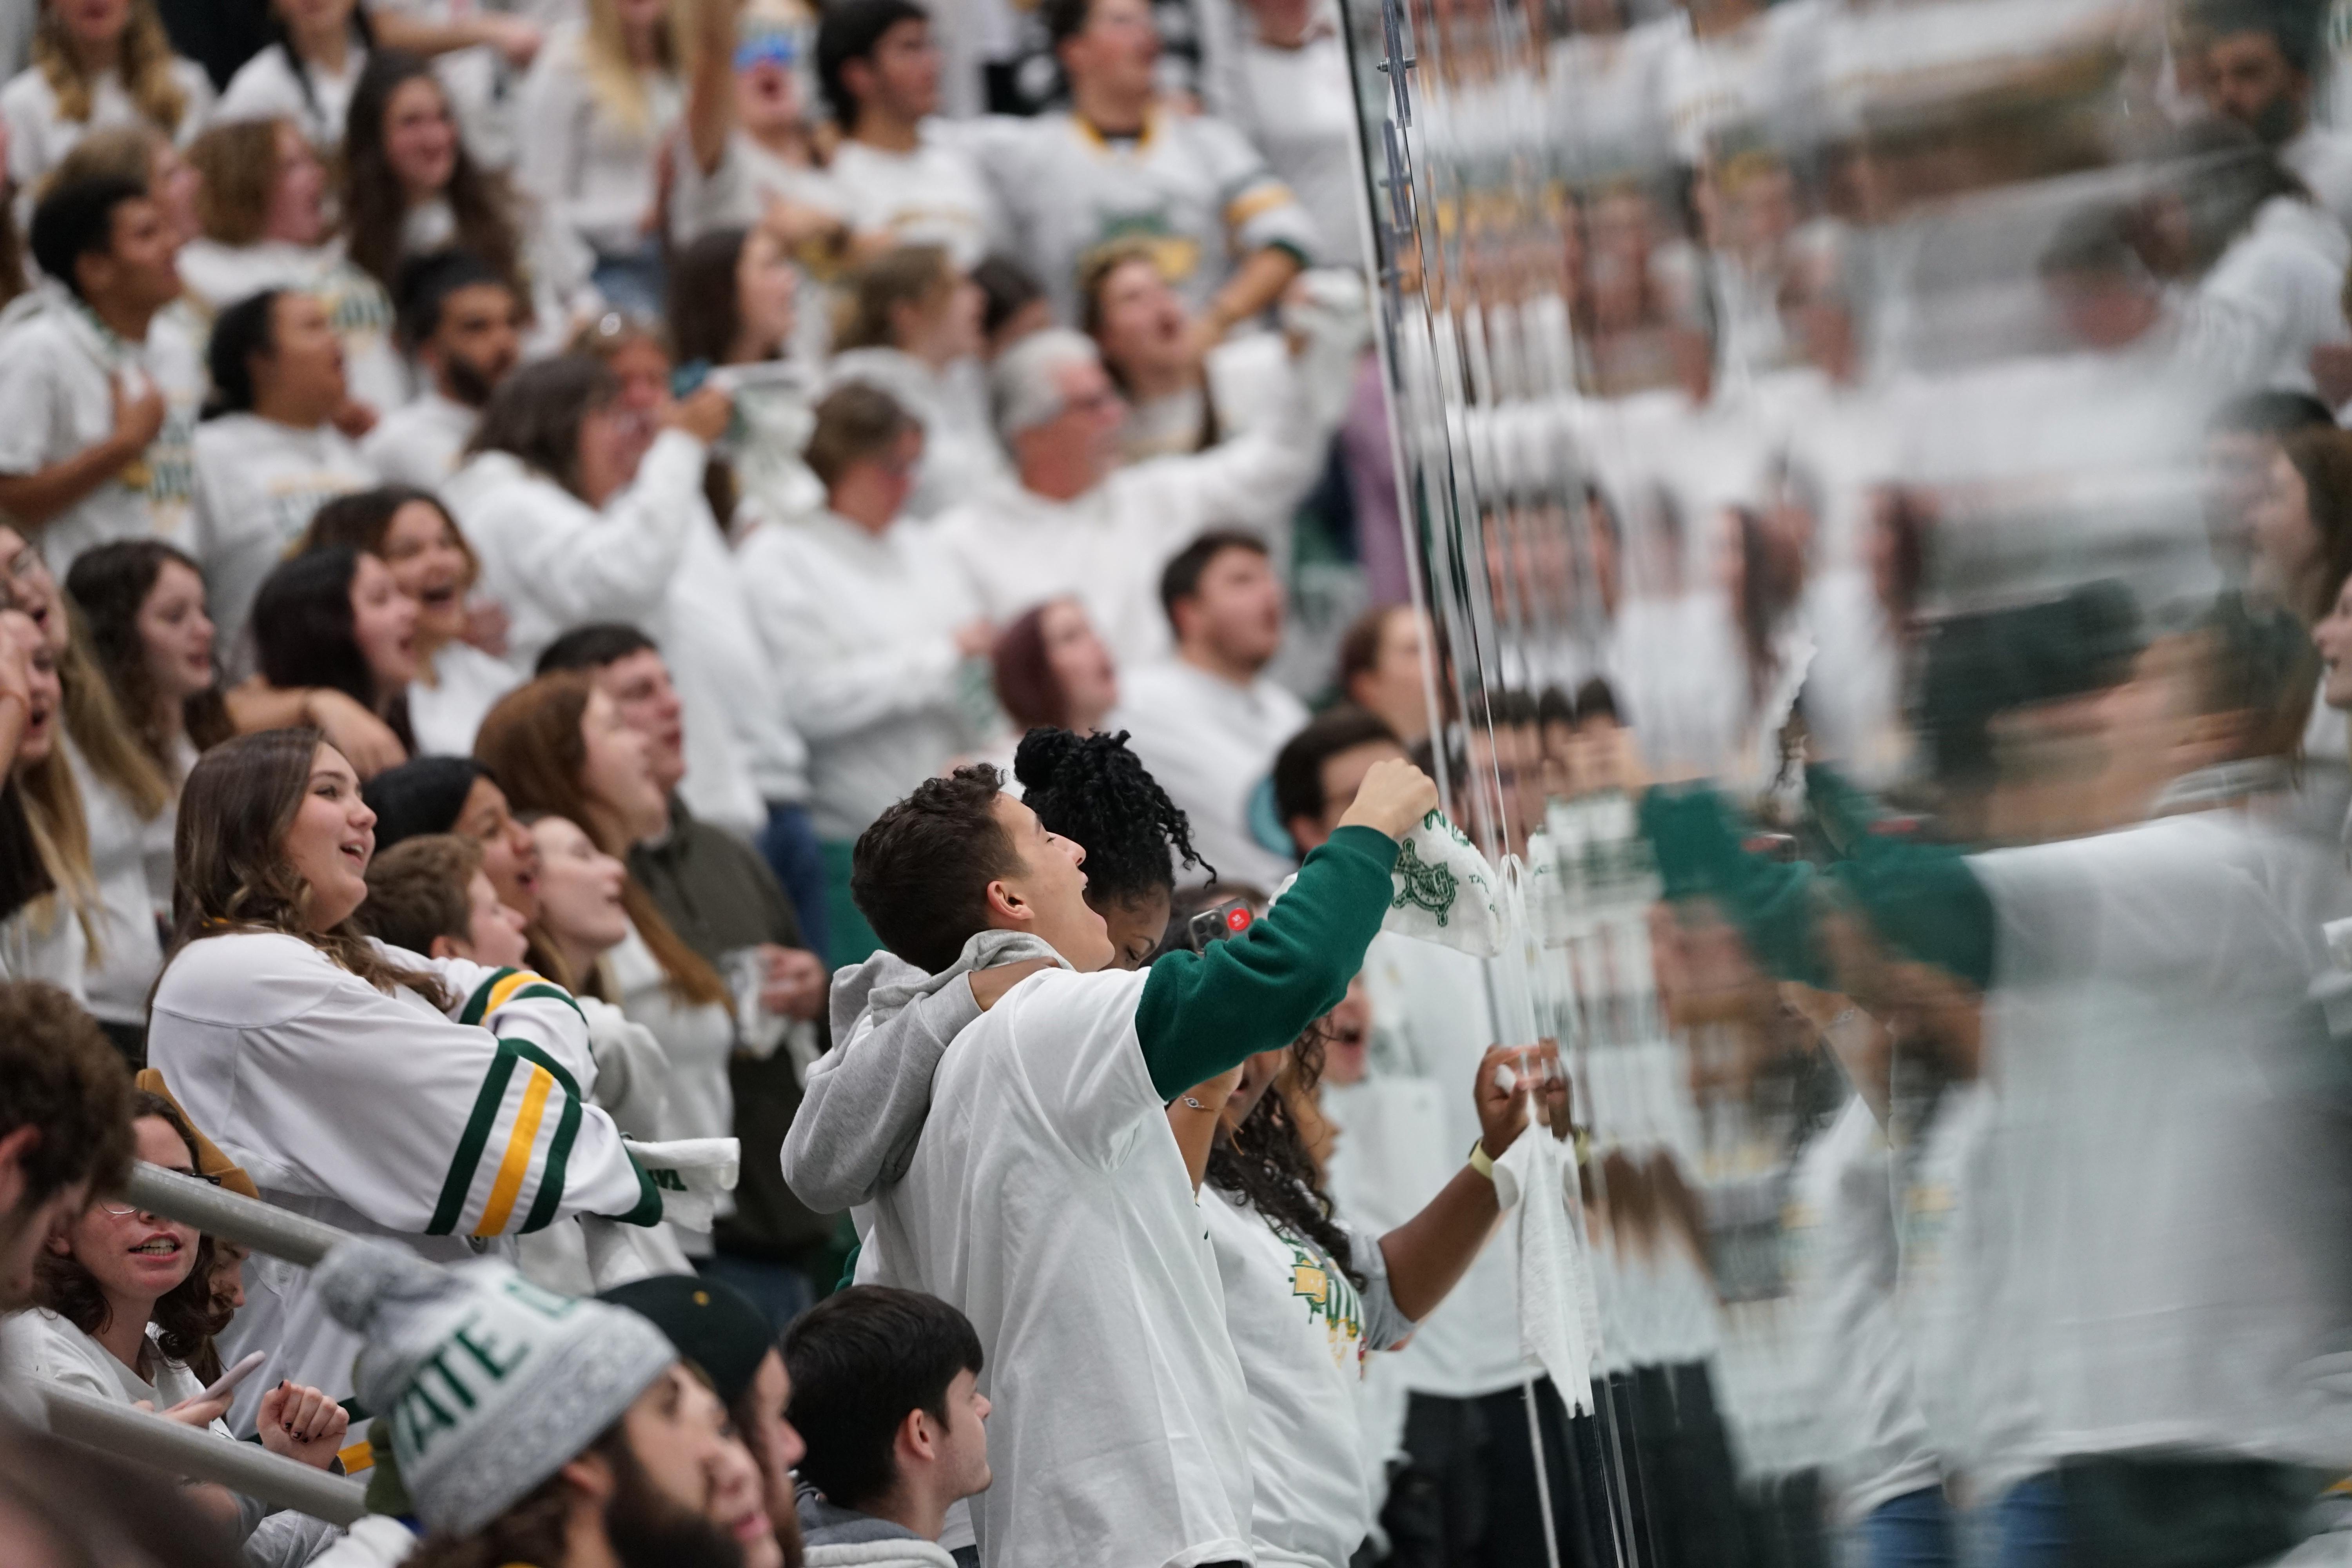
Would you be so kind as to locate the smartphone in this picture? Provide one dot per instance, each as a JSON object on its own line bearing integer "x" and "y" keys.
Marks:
{"x": 1216, "y": 923}
{"x": 227, "y": 1381}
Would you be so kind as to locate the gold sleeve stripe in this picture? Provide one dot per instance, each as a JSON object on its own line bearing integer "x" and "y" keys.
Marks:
{"x": 1256, "y": 201}
{"x": 517, "y": 1163}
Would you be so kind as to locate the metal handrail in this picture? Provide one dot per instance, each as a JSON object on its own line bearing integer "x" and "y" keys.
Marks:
{"x": 233, "y": 1217}
{"x": 200, "y": 1453}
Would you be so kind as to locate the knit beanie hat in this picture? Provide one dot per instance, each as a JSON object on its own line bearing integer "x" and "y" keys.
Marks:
{"x": 422, "y": 796}
{"x": 491, "y": 1384}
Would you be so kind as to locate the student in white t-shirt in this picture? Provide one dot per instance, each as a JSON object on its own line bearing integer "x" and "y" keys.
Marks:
{"x": 463, "y": 323}
{"x": 125, "y": 1300}
{"x": 143, "y": 604}
{"x": 1310, "y": 1295}
{"x": 262, "y": 212}
{"x": 95, "y": 65}
{"x": 899, "y": 175}
{"x": 456, "y": 680}
{"x": 1119, "y": 1438}
{"x": 773, "y": 172}
{"x": 95, "y": 411}
{"x": 267, "y": 454}
{"x": 606, "y": 102}
{"x": 307, "y": 75}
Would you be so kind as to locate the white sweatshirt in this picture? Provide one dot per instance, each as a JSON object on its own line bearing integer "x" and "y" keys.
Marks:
{"x": 589, "y": 171}
{"x": 131, "y": 948}
{"x": 1108, "y": 546}
{"x": 653, "y": 558}
{"x": 257, "y": 485}
{"x": 861, "y": 633}
{"x": 382, "y": 1115}
{"x": 218, "y": 276}
{"x": 268, "y": 86}
{"x": 422, "y": 442}
{"x": 1211, "y": 743}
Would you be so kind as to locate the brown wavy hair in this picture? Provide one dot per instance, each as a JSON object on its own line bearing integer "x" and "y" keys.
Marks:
{"x": 183, "y": 1316}
{"x": 238, "y": 160}
{"x": 145, "y": 69}
{"x": 229, "y": 869}
{"x": 531, "y": 742}
{"x": 375, "y": 205}
{"x": 107, "y": 586}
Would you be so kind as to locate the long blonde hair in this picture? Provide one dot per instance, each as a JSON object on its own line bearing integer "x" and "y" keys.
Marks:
{"x": 61, "y": 835}
{"x": 612, "y": 78}
{"x": 146, "y": 67}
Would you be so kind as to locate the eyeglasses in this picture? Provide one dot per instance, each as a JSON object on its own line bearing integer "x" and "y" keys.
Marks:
{"x": 124, "y": 1211}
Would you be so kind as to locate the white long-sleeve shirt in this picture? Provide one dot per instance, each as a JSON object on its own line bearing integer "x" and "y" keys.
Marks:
{"x": 1108, "y": 546}
{"x": 272, "y": 86}
{"x": 382, "y": 1115}
{"x": 218, "y": 276}
{"x": 587, "y": 168}
{"x": 130, "y": 954}
{"x": 861, "y": 630}
{"x": 2274, "y": 294}
{"x": 1211, "y": 743}
{"x": 422, "y": 442}
{"x": 652, "y": 558}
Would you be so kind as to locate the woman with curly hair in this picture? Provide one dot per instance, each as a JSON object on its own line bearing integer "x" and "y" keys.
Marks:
{"x": 124, "y": 1298}
{"x": 1308, "y": 1293}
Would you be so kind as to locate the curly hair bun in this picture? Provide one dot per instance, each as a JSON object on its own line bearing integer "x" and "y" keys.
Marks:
{"x": 1095, "y": 791}
{"x": 1043, "y": 753}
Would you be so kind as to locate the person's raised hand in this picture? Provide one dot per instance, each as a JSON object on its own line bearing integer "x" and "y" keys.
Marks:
{"x": 514, "y": 38}
{"x": 1501, "y": 1098}
{"x": 702, "y": 414}
{"x": 795, "y": 982}
{"x": 989, "y": 986}
{"x": 138, "y": 417}
{"x": 302, "y": 1423}
{"x": 1393, "y": 799}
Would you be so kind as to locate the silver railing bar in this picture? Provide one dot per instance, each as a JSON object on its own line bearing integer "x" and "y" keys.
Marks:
{"x": 264, "y": 1227}
{"x": 200, "y": 1454}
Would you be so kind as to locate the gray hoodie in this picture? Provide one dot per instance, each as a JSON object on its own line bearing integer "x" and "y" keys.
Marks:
{"x": 866, "y": 1100}
{"x": 842, "y": 1537}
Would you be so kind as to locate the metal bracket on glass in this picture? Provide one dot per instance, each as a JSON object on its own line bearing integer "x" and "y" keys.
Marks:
{"x": 1397, "y": 62}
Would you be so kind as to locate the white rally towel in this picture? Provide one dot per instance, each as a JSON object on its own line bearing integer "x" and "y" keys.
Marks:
{"x": 690, "y": 1173}
{"x": 1555, "y": 1286}
{"x": 1442, "y": 891}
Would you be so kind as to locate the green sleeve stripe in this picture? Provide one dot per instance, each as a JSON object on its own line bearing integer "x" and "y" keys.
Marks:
{"x": 650, "y": 1205}
{"x": 550, "y": 1179}
{"x": 479, "y": 1002}
{"x": 556, "y": 992}
{"x": 476, "y": 1136}
{"x": 532, "y": 1053}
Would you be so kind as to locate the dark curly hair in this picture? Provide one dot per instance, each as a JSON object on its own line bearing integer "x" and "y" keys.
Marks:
{"x": 1265, "y": 1160}
{"x": 183, "y": 1317}
{"x": 1094, "y": 790}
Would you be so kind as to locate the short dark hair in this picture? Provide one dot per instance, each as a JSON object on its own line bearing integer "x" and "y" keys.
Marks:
{"x": 536, "y": 413}
{"x": 855, "y": 422}
{"x": 852, "y": 32}
{"x": 60, "y": 1077}
{"x": 1064, "y": 19}
{"x": 2270, "y": 412}
{"x": 1180, "y": 579}
{"x": 1008, "y": 288}
{"x": 593, "y": 646}
{"x": 2296, "y": 44}
{"x": 861, "y": 1360}
{"x": 1299, "y": 766}
{"x": 425, "y": 284}
{"x": 920, "y": 873}
{"x": 304, "y": 633}
{"x": 419, "y": 889}
{"x": 1359, "y": 644}
{"x": 77, "y": 219}
{"x": 1596, "y": 699}
{"x": 246, "y": 328}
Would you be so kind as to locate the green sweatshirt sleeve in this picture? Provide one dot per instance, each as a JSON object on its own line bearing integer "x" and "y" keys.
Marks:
{"x": 1921, "y": 897}
{"x": 1204, "y": 1014}
{"x": 1699, "y": 850}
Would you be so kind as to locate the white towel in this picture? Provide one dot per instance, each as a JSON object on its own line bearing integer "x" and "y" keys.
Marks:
{"x": 1442, "y": 891}
{"x": 1555, "y": 1286}
{"x": 691, "y": 1174}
